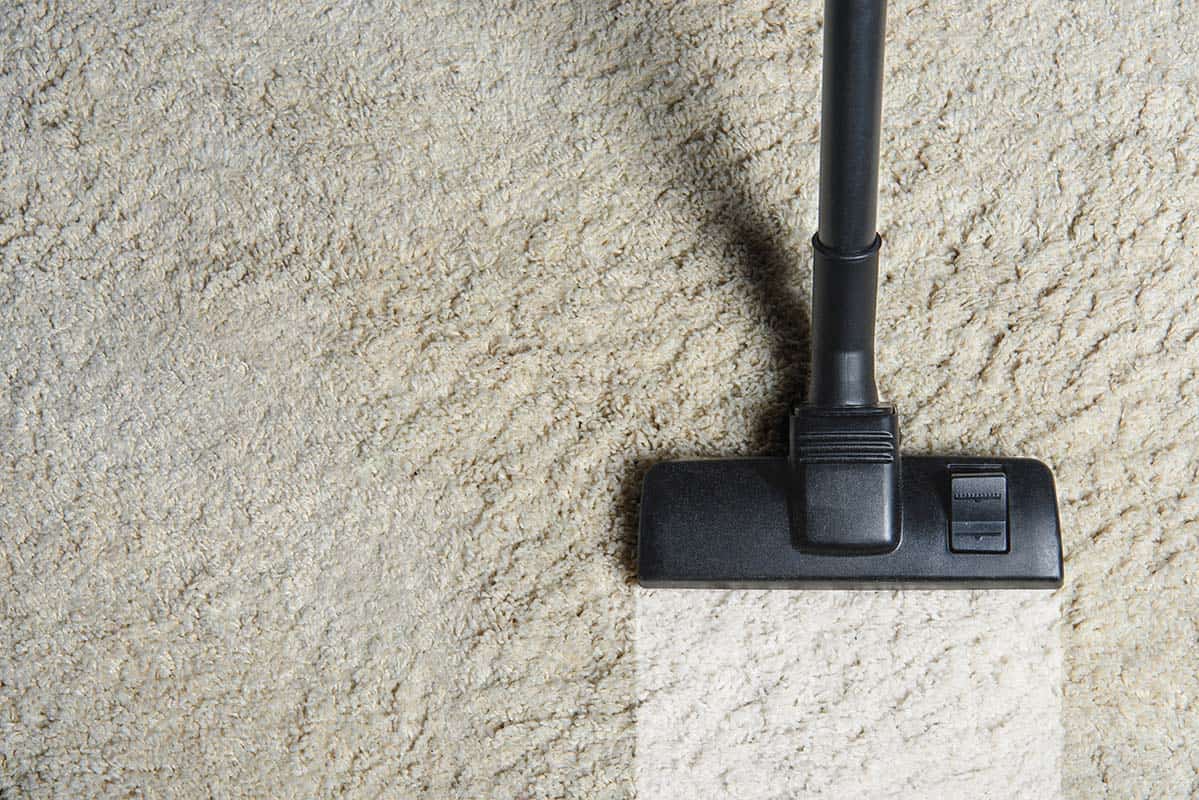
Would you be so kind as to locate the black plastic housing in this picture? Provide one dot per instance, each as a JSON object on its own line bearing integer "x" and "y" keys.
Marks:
{"x": 724, "y": 524}
{"x": 845, "y": 480}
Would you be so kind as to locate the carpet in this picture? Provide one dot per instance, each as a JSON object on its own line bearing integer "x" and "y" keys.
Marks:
{"x": 337, "y": 337}
{"x": 875, "y": 695}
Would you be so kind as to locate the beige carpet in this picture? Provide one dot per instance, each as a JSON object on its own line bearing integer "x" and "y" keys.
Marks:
{"x": 336, "y": 339}
{"x": 867, "y": 695}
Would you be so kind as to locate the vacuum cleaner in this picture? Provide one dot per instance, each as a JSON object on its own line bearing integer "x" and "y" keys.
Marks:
{"x": 845, "y": 509}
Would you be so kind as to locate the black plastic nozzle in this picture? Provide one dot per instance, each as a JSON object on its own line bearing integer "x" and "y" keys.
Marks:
{"x": 845, "y": 491}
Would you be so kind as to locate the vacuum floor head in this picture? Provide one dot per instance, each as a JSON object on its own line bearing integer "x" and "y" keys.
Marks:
{"x": 962, "y": 523}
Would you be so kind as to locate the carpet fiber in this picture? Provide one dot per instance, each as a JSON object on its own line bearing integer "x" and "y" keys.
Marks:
{"x": 336, "y": 338}
{"x": 873, "y": 695}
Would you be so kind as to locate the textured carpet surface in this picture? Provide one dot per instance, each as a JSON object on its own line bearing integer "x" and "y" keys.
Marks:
{"x": 336, "y": 337}
{"x": 848, "y": 695}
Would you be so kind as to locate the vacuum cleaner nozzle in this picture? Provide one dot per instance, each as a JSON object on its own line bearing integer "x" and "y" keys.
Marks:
{"x": 739, "y": 524}
{"x": 845, "y": 509}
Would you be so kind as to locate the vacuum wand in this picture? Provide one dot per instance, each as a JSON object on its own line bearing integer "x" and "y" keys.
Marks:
{"x": 845, "y": 247}
{"x": 850, "y": 120}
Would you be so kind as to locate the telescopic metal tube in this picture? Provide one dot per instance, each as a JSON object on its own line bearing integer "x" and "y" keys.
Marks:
{"x": 850, "y": 118}
{"x": 845, "y": 247}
